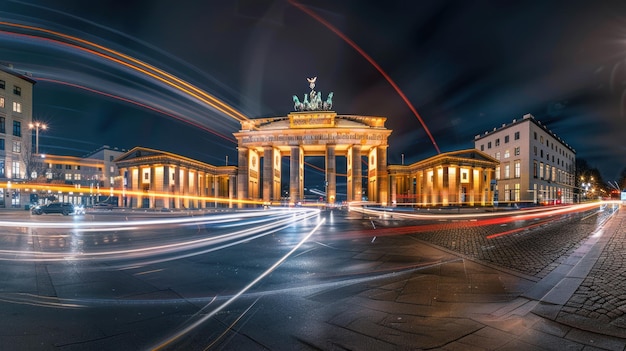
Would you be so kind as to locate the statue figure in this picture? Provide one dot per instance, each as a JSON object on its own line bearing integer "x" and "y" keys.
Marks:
{"x": 312, "y": 82}
{"x": 297, "y": 105}
{"x": 328, "y": 104}
{"x": 313, "y": 100}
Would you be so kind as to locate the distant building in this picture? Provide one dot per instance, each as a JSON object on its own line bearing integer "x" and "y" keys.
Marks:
{"x": 110, "y": 173}
{"x": 536, "y": 166}
{"x": 16, "y": 111}
{"x": 458, "y": 178}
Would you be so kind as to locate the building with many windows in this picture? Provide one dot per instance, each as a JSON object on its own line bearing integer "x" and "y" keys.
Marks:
{"x": 16, "y": 102}
{"x": 536, "y": 166}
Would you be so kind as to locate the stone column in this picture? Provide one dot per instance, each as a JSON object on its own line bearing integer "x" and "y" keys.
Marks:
{"x": 331, "y": 174}
{"x": 165, "y": 187}
{"x": 242, "y": 176}
{"x": 295, "y": 178}
{"x": 152, "y": 187}
{"x": 394, "y": 189}
{"x": 231, "y": 189}
{"x": 120, "y": 197}
{"x": 357, "y": 174}
{"x": 268, "y": 174}
{"x": 177, "y": 187}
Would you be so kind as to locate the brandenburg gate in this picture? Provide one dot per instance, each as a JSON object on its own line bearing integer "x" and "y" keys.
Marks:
{"x": 312, "y": 130}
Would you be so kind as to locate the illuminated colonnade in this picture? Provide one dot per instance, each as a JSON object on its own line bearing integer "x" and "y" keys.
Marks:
{"x": 312, "y": 133}
{"x": 463, "y": 177}
{"x": 158, "y": 179}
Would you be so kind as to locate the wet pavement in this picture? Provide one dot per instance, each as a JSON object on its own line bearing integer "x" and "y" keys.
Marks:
{"x": 403, "y": 292}
{"x": 465, "y": 305}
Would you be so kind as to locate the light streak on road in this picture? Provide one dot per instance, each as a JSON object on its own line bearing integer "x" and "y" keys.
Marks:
{"x": 204, "y": 318}
{"x": 467, "y": 220}
{"x": 272, "y": 221}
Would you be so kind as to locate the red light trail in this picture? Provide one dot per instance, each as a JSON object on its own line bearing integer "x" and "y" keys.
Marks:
{"x": 372, "y": 62}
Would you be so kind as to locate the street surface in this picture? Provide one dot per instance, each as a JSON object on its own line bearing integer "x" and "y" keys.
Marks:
{"x": 303, "y": 279}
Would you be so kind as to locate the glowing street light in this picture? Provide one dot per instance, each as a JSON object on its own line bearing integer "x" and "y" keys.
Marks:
{"x": 36, "y": 126}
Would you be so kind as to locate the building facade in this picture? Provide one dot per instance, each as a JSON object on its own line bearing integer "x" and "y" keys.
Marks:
{"x": 159, "y": 179}
{"x": 16, "y": 111}
{"x": 536, "y": 166}
{"x": 459, "y": 178}
{"x": 110, "y": 175}
{"x": 263, "y": 142}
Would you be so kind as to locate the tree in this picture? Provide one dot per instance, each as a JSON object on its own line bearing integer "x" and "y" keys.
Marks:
{"x": 33, "y": 164}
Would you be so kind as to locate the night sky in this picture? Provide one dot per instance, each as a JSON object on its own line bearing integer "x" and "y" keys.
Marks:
{"x": 464, "y": 66}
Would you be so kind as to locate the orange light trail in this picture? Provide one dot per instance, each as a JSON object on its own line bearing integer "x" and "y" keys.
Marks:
{"x": 372, "y": 62}
{"x": 195, "y": 124}
{"x": 134, "y": 64}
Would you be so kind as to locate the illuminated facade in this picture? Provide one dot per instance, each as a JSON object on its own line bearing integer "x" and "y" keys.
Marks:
{"x": 459, "y": 178}
{"x": 16, "y": 102}
{"x": 263, "y": 142}
{"x": 157, "y": 179}
{"x": 536, "y": 166}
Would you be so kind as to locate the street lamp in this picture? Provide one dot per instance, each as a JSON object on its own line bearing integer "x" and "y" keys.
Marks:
{"x": 36, "y": 126}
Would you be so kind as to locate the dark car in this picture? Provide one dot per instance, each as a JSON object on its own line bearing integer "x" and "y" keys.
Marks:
{"x": 64, "y": 208}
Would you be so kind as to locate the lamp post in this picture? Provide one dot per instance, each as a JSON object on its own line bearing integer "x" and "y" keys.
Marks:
{"x": 36, "y": 126}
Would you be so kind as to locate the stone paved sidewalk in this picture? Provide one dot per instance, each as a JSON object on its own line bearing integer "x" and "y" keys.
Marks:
{"x": 599, "y": 303}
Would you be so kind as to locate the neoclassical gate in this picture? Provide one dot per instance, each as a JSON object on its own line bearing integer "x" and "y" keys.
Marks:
{"x": 312, "y": 133}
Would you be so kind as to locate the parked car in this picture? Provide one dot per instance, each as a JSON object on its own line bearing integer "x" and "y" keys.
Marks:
{"x": 64, "y": 208}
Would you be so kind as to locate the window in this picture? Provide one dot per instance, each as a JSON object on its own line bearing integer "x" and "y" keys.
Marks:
{"x": 517, "y": 193}
{"x": 518, "y": 169}
{"x": 541, "y": 152}
{"x": 498, "y": 155}
{"x": 17, "y": 146}
{"x": 534, "y": 169}
{"x": 516, "y": 152}
{"x": 482, "y": 147}
{"x": 59, "y": 166}
{"x": 111, "y": 158}
{"x": 68, "y": 166}
{"x": 554, "y": 173}
{"x": 541, "y": 170}
{"x": 516, "y": 137}
{"x": 1, "y": 144}
{"x": 2, "y": 84}
{"x": 17, "y": 107}
{"x": 535, "y": 135}
{"x": 489, "y": 145}
{"x": 506, "y": 139}
{"x": 1, "y": 102}
{"x": 497, "y": 172}
{"x": 15, "y": 169}
{"x": 507, "y": 171}
{"x": 68, "y": 176}
{"x": 2, "y": 125}
{"x": 535, "y": 151}
{"x": 541, "y": 139}
{"x": 17, "y": 128}
{"x": 507, "y": 193}
{"x": 498, "y": 142}
{"x": 77, "y": 176}
{"x": 2, "y": 169}
{"x": 78, "y": 167}
{"x": 17, "y": 90}
{"x": 507, "y": 153}
{"x": 547, "y": 172}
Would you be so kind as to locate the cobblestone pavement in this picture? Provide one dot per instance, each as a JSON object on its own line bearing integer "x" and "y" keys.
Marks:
{"x": 599, "y": 303}
{"x": 534, "y": 252}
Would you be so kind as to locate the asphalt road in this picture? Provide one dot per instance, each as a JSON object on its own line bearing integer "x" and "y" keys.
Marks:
{"x": 135, "y": 280}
